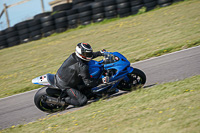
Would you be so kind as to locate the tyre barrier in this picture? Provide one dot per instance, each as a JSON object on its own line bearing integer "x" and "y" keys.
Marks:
{"x": 71, "y": 15}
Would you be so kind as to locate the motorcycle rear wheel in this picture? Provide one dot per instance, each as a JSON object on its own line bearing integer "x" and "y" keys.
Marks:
{"x": 136, "y": 80}
{"x": 40, "y": 103}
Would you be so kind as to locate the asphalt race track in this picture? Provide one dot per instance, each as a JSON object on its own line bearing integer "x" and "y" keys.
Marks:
{"x": 20, "y": 109}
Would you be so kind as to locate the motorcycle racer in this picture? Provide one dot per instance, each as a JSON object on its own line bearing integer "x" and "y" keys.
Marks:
{"x": 73, "y": 74}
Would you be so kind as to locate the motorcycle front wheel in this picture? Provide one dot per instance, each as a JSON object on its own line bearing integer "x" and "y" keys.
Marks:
{"x": 136, "y": 80}
{"x": 41, "y": 104}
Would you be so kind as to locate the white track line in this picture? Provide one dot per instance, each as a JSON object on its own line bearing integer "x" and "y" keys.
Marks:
{"x": 131, "y": 64}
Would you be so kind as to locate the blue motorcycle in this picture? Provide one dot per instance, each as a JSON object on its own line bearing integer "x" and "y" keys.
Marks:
{"x": 114, "y": 65}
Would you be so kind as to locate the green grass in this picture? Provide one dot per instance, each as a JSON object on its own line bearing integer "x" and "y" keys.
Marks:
{"x": 165, "y": 108}
{"x": 137, "y": 37}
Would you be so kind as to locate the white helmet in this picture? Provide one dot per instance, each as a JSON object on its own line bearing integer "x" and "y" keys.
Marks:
{"x": 84, "y": 51}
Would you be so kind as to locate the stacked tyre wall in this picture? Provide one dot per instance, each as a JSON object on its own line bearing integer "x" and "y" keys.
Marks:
{"x": 71, "y": 15}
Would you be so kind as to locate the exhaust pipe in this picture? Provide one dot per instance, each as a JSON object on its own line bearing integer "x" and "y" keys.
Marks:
{"x": 53, "y": 100}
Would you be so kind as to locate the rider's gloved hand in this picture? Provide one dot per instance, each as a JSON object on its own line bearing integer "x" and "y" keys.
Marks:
{"x": 105, "y": 79}
{"x": 102, "y": 51}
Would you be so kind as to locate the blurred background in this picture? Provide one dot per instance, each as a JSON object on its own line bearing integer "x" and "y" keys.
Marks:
{"x": 22, "y": 11}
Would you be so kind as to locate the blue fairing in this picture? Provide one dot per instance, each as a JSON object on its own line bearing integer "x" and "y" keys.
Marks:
{"x": 114, "y": 62}
{"x": 95, "y": 69}
{"x": 119, "y": 63}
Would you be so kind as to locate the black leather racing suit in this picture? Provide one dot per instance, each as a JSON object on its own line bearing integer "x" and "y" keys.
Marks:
{"x": 74, "y": 72}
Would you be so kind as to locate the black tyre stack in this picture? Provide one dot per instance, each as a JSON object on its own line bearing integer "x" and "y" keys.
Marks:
{"x": 72, "y": 18}
{"x": 60, "y": 20}
{"x": 48, "y": 25}
{"x": 85, "y": 14}
{"x": 150, "y": 4}
{"x": 23, "y": 31}
{"x": 12, "y": 36}
{"x": 97, "y": 11}
{"x": 110, "y": 9}
{"x": 136, "y": 5}
{"x": 35, "y": 29}
{"x": 163, "y": 3}
{"x": 123, "y": 8}
{"x": 3, "y": 42}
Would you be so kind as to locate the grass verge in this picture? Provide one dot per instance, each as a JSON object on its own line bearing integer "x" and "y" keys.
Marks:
{"x": 170, "y": 107}
{"x": 137, "y": 37}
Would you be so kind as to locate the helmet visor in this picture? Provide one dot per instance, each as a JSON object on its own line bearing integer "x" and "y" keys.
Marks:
{"x": 88, "y": 54}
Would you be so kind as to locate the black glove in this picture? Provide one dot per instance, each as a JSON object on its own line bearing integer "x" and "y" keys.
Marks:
{"x": 102, "y": 51}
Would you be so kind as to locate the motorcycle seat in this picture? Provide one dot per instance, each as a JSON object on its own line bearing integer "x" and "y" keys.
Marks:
{"x": 51, "y": 79}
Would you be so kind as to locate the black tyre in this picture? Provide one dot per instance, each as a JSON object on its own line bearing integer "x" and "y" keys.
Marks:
{"x": 34, "y": 22}
{"x": 13, "y": 39}
{"x": 3, "y": 44}
{"x": 23, "y": 31}
{"x": 110, "y": 8}
{"x": 10, "y": 29}
{"x": 111, "y": 14}
{"x": 160, "y": 2}
{"x": 2, "y": 37}
{"x": 150, "y": 4}
{"x": 84, "y": 8}
{"x": 2, "y": 32}
{"x": 124, "y": 11}
{"x": 46, "y": 34}
{"x": 62, "y": 7}
{"x": 72, "y": 22}
{"x": 121, "y": 1}
{"x": 34, "y": 28}
{"x": 147, "y": 1}
{"x": 84, "y": 14}
{"x": 37, "y": 37}
{"x": 136, "y": 2}
{"x": 48, "y": 23}
{"x": 40, "y": 103}
{"x": 86, "y": 20}
{"x": 24, "y": 38}
{"x": 72, "y": 17}
{"x": 46, "y": 19}
{"x": 82, "y": 4}
{"x": 97, "y": 5}
{"x": 137, "y": 79}
{"x": 124, "y": 15}
{"x": 109, "y": 2}
{"x": 11, "y": 34}
{"x": 166, "y": 4}
{"x": 22, "y": 25}
{"x": 123, "y": 5}
{"x": 72, "y": 11}
{"x": 60, "y": 20}
{"x": 35, "y": 33}
{"x": 98, "y": 10}
{"x": 61, "y": 25}
{"x": 60, "y": 14}
{"x": 38, "y": 16}
{"x": 47, "y": 29}
{"x": 97, "y": 16}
